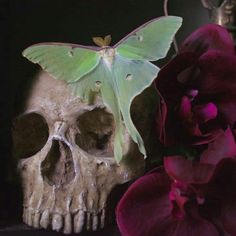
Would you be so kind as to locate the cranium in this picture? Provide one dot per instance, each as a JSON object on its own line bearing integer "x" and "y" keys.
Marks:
{"x": 65, "y": 152}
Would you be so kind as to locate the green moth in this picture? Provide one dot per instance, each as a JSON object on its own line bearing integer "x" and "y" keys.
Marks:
{"x": 119, "y": 73}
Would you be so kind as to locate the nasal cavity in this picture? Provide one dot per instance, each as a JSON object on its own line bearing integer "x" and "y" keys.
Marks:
{"x": 58, "y": 166}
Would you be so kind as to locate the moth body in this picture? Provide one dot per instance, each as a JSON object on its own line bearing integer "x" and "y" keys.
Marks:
{"x": 108, "y": 54}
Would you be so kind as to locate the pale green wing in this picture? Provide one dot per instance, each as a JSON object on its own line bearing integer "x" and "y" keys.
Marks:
{"x": 110, "y": 100}
{"x": 100, "y": 81}
{"x": 126, "y": 77}
{"x": 67, "y": 62}
{"x": 131, "y": 77}
{"x": 151, "y": 41}
{"x": 118, "y": 88}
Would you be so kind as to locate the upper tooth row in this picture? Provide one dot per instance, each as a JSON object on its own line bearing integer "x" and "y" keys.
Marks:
{"x": 66, "y": 223}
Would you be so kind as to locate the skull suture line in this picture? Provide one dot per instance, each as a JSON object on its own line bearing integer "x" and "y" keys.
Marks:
{"x": 66, "y": 159}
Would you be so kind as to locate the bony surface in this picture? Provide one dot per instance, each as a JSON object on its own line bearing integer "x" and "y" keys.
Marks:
{"x": 82, "y": 144}
{"x": 64, "y": 149}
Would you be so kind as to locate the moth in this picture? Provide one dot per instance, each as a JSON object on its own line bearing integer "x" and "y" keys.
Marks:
{"x": 118, "y": 73}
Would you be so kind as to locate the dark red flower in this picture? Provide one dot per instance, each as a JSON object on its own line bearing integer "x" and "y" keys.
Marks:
{"x": 197, "y": 89}
{"x": 198, "y": 107}
{"x": 183, "y": 198}
{"x": 147, "y": 209}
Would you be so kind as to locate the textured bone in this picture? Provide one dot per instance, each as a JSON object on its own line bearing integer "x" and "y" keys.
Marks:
{"x": 70, "y": 169}
{"x": 45, "y": 219}
{"x": 36, "y": 219}
{"x": 95, "y": 223}
{"x": 68, "y": 224}
{"x": 57, "y": 222}
{"x": 79, "y": 221}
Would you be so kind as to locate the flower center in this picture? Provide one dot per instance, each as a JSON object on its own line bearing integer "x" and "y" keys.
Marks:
{"x": 180, "y": 195}
{"x": 192, "y": 93}
{"x": 194, "y": 116}
{"x": 108, "y": 54}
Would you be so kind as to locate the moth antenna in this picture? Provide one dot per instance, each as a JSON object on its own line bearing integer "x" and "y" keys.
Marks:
{"x": 99, "y": 41}
{"x": 102, "y": 42}
{"x": 107, "y": 40}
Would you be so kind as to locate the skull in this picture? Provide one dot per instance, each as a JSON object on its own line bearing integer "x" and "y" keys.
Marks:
{"x": 64, "y": 149}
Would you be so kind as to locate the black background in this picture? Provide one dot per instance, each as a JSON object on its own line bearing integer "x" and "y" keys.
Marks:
{"x": 25, "y": 22}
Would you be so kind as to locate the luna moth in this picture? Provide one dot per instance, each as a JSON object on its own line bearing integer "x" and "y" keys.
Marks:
{"x": 119, "y": 73}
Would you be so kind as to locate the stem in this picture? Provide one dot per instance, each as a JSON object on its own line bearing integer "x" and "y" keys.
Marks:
{"x": 166, "y": 7}
{"x": 166, "y": 14}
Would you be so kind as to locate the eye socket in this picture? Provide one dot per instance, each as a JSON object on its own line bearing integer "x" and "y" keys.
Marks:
{"x": 96, "y": 132}
{"x": 30, "y": 133}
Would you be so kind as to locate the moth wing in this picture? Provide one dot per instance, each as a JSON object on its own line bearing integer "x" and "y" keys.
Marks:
{"x": 151, "y": 41}
{"x": 131, "y": 78}
{"x": 97, "y": 82}
{"x": 67, "y": 62}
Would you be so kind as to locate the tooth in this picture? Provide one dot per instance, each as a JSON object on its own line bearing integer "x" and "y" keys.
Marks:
{"x": 103, "y": 199}
{"x": 44, "y": 221}
{"x": 79, "y": 222}
{"x": 29, "y": 217}
{"x": 36, "y": 220}
{"x": 57, "y": 222}
{"x": 68, "y": 224}
{"x": 88, "y": 222}
{"x": 25, "y": 214}
{"x": 95, "y": 223}
{"x": 91, "y": 204}
{"x": 103, "y": 215}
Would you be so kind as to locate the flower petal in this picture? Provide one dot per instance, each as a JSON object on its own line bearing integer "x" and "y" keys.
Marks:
{"x": 204, "y": 113}
{"x": 228, "y": 216}
{"x": 228, "y": 108}
{"x": 209, "y": 36}
{"x": 222, "y": 147}
{"x": 188, "y": 171}
{"x": 170, "y": 91}
{"x": 223, "y": 188}
{"x": 207, "y": 137}
{"x": 186, "y": 117}
{"x": 185, "y": 110}
{"x": 218, "y": 82}
{"x": 227, "y": 173}
{"x": 167, "y": 84}
{"x": 179, "y": 201}
{"x": 190, "y": 227}
{"x": 145, "y": 208}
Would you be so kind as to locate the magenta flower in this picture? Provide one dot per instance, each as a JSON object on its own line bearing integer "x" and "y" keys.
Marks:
{"x": 198, "y": 88}
{"x": 198, "y": 108}
{"x": 185, "y": 197}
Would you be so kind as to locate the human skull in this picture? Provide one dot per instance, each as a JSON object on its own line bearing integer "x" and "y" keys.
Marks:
{"x": 64, "y": 149}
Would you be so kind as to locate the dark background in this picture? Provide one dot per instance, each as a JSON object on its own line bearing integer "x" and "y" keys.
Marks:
{"x": 25, "y": 22}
